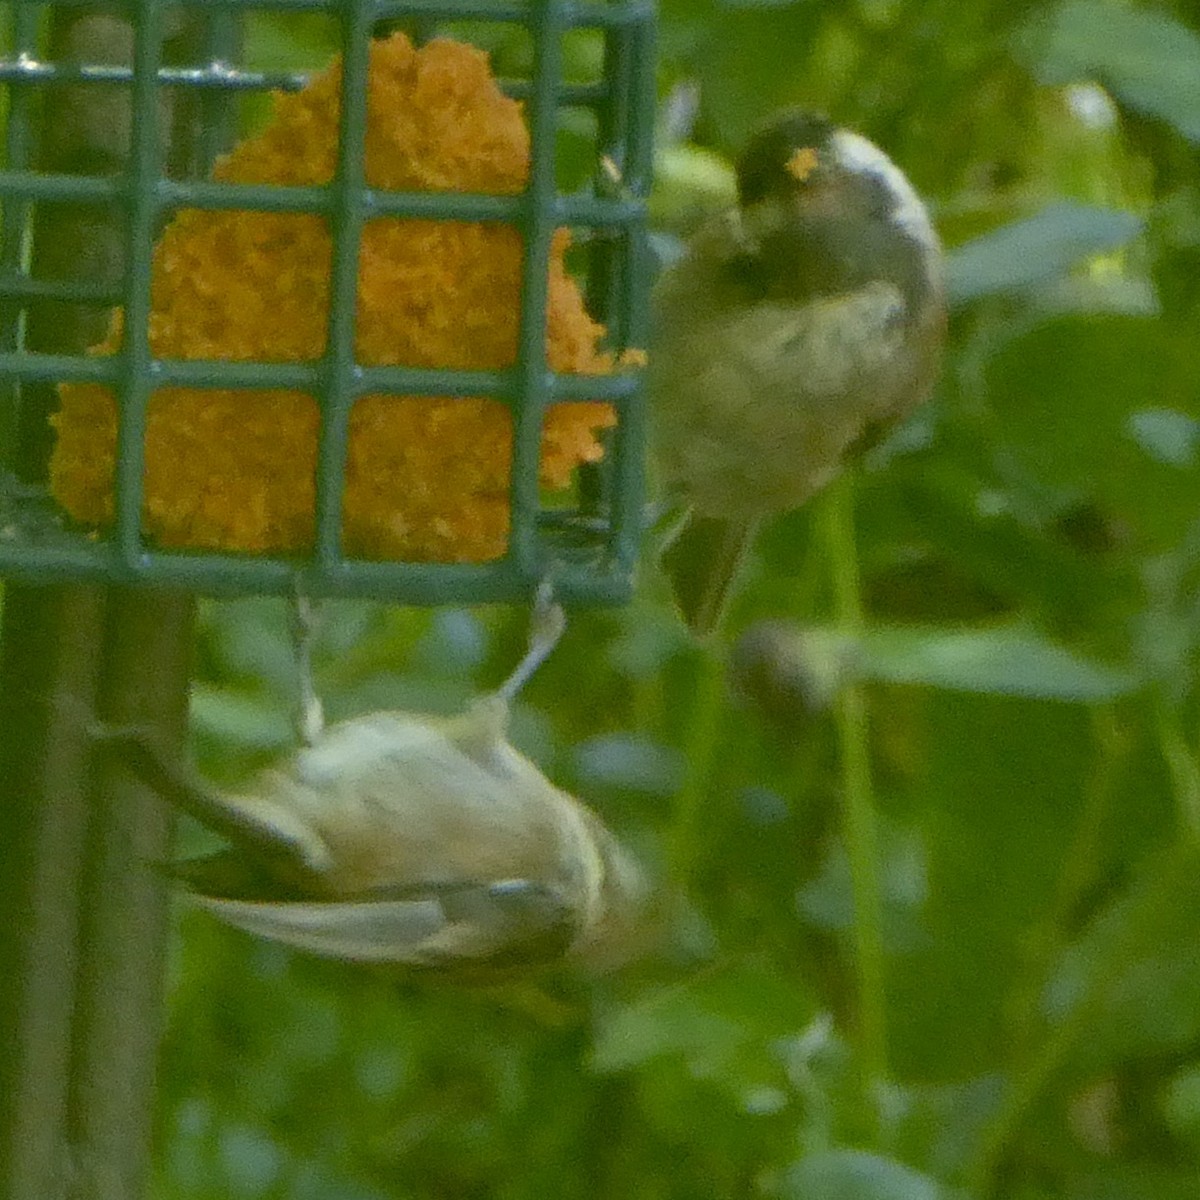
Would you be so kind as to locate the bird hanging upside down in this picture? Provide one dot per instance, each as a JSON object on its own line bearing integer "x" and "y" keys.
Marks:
{"x": 403, "y": 837}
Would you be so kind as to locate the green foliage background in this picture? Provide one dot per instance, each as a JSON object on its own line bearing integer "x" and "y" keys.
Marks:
{"x": 1026, "y": 552}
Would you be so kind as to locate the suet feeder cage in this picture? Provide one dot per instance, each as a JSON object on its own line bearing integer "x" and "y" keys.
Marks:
{"x": 361, "y": 354}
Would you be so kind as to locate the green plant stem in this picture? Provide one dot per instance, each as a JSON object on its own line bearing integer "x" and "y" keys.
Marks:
{"x": 1082, "y": 861}
{"x": 1174, "y": 872}
{"x": 699, "y": 751}
{"x": 1037, "y": 1067}
{"x": 1182, "y": 765}
{"x": 858, "y": 800}
{"x": 1040, "y": 1059}
{"x": 1084, "y": 857}
{"x": 1027, "y": 1085}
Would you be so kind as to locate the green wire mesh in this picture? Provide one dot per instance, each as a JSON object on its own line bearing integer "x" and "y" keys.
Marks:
{"x": 590, "y": 549}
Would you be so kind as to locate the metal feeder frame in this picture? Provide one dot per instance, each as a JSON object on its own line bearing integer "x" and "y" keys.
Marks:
{"x": 592, "y": 553}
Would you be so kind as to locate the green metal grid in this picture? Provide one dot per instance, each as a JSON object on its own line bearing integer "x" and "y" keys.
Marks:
{"x": 592, "y": 554}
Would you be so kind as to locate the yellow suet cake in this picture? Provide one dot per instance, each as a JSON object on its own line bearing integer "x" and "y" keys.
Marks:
{"x": 426, "y": 477}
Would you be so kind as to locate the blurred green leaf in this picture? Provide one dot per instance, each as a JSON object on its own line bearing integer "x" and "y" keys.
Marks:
{"x": 1131, "y": 984}
{"x": 250, "y": 638}
{"x": 690, "y": 183}
{"x": 1181, "y": 1105}
{"x": 709, "y": 1042}
{"x": 454, "y": 645}
{"x": 627, "y": 762}
{"x": 1035, "y": 250}
{"x": 997, "y": 821}
{"x": 940, "y": 1125}
{"x": 828, "y": 901}
{"x": 1137, "y": 1181}
{"x": 1065, "y": 394}
{"x": 247, "y": 722}
{"x": 299, "y": 42}
{"x": 709, "y": 1022}
{"x": 1150, "y": 60}
{"x": 250, "y": 1161}
{"x": 315, "y": 1182}
{"x": 1170, "y": 437}
{"x": 1004, "y": 660}
{"x": 856, "y": 1175}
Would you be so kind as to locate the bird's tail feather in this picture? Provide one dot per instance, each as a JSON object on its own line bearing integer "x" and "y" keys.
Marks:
{"x": 703, "y": 562}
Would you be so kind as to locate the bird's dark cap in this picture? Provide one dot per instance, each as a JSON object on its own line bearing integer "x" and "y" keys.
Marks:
{"x": 781, "y": 155}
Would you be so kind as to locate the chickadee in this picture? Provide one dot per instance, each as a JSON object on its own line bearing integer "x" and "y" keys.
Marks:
{"x": 796, "y": 328}
{"x": 400, "y": 837}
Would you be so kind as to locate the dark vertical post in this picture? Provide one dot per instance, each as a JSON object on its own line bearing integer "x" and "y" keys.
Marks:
{"x": 83, "y": 917}
{"x": 49, "y": 661}
{"x": 123, "y": 922}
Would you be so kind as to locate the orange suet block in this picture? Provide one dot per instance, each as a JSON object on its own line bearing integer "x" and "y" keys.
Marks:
{"x": 426, "y": 477}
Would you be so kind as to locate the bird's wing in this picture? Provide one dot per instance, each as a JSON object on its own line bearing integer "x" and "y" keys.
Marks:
{"x": 500, "y": 924}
